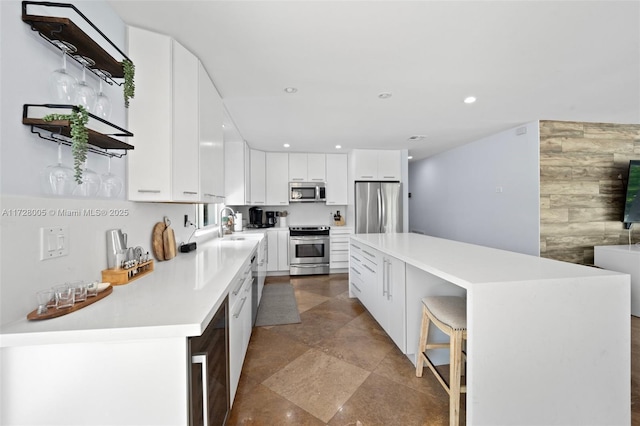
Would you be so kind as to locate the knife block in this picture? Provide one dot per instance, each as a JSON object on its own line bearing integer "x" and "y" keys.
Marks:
{"x": 126, "y": 275}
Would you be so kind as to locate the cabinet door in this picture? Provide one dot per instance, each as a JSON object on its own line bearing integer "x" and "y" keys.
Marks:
{"x": 149, "y": 165}
{"x": 211, "y": 140}
{"x": 185, "y": 147}
{"x": 297, "y": 167}
{"x": 365, "y": 164}
{"x": 234, "y": 163}
{"x": 389, "y": 165}
{"x": 277, "y": 186}
{"x": 316, "y": 167}
{"x": 272, "y": 250}
{"x": 258, "y": 188}
{"x": 393, "y": 298}
{"x": 283, "y": 250}
{"x": 337, "y": 179}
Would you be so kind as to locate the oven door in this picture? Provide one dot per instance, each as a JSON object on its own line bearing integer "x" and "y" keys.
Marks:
{"x": 308, "y": 250}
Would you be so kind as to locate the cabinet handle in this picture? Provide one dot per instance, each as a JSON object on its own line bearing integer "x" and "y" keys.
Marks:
{"x": 355, "y": 246}
{"x": 370, "y": 254}
{"x": 189, "y": 193}
{"x": 202, "y": 359}
{"x": 356, "y": 287}
{"x": 212, "y": 195}
{"x": 356, "y": 271}
{"x": 388, "y": 177}
{"x": 320, "y": 180}
{"x": 151, "y": 191}
{"x": 300, "y": 179}
{"x": 366, "y": 177}
{"x": 237, "y": 314}
{"x": 384, "y": 277}
{"x": 369, "y": 269}
{"x": 237, "y": 289}
{"x": 356, "y": 259}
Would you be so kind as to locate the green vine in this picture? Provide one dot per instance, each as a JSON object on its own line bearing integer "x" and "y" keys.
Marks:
{"x": 79, "y": 136}
{"x": 129, "y": 90}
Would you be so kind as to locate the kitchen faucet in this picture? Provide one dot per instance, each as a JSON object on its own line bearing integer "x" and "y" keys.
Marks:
{"x": 221, "y": 231}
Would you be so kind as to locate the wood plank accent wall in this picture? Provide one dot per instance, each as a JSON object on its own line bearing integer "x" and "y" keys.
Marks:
{"x": 583, "y": 173}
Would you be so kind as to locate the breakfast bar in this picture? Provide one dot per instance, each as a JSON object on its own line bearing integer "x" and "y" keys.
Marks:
{"x": 548, "y": 341}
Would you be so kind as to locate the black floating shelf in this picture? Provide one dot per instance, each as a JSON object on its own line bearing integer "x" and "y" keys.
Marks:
{"x": 101, "y": 132}
{"x": 60, "y": 31}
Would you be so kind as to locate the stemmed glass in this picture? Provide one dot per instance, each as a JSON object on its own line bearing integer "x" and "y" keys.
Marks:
{"x": 103, "y": 104}
{"x": 111, "y": 184}
{"x": 90, "y": 183}
{"x": 85, "y": 94}
{"x": 61, "y": 83}
{"x": 57, "y": 179}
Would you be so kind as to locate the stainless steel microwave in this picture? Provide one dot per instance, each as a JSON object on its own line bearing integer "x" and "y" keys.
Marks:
{"x": 307, "y": 192}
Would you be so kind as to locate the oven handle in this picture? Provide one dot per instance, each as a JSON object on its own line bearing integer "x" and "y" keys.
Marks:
{"x": 310, "y": 265}
{"x": 309, "y": 238}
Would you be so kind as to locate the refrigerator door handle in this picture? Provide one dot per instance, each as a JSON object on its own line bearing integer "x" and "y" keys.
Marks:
{"x": 380, "y": 210}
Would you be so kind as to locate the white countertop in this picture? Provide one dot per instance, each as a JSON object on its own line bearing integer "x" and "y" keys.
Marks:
{"x": 178, "y": 299}
{"x": 467, "y": 264}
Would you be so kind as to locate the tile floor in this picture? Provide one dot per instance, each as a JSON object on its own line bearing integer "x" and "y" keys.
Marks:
{"x": 338, "y": 367}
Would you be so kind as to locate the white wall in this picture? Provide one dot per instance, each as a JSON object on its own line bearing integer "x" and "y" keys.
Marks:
{"x": 486, "y": 192}
{"x": 26, "y": 63}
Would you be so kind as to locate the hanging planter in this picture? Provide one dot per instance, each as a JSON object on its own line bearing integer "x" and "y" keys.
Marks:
{"x": 79, "y": 136}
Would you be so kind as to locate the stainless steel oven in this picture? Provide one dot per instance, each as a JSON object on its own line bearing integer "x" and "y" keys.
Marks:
{"x": 308, "y": 250}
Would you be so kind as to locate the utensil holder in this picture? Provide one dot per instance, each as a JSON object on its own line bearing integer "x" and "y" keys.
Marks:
{"x": 126, "y": 275}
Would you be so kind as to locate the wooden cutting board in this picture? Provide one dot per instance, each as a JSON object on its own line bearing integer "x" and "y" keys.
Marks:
{"x": 157, "y": 240}
{"x": 169, "y": 240}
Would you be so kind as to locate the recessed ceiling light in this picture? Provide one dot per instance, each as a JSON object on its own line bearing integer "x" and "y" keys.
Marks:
{"x": 286, "y": 145}
{"x": 385, "y": 95}
{"x": 290, "y": 89}
{"x": 338, "y": 146}
{"x": 416, "y": 137}
{"x": 410, "y": 157}
{"x": 469, "y": 99}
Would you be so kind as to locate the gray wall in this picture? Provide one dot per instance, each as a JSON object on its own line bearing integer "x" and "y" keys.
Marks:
{"x": 485, "y": 192}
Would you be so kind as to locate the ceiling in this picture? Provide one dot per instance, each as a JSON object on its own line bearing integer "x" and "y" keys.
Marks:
{"x": 522, "y": 60}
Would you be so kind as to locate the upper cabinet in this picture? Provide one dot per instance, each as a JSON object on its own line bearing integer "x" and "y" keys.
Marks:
{"x": 237, "y": 164}
{"x": 337, "y": 179}
{"x": 307, "y": 167}
{"x": 277, "y": 176}
{"x": 211, "y": 140}
{"x": 377, "y": 164}
{"x": 177, "y": 117}
{"x": 258, "y": 173}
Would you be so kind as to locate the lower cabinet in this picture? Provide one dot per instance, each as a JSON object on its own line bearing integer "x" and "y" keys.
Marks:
{"x": 339, "y": 256}
{"x": 239, "y": 327}
{"x": 378, "y": 281}
{"x": 278, "y": 250}
{"x": 209, "y": 396}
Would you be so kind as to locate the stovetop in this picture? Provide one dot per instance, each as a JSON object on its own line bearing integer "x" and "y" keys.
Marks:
{"x": 310, "y": 228}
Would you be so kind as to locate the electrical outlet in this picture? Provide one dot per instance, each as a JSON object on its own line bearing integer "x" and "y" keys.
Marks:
{"x": 54, "y": 242}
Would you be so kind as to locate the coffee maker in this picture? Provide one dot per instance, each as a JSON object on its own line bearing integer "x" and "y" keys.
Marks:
{"x": 255, "y": 218}
{"x": 271, "y": 218}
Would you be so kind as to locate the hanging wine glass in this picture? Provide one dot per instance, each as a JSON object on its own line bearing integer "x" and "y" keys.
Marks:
{"x": 61, "y": 83}
{"x": 90, "y": 183}
{"x": 57, "y": 179}
{"x": 103, "y": 105}
{"x": 111, "y": 184}
{"x": 85, "y": 94}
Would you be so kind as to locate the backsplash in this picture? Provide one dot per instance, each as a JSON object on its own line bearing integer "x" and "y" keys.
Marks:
{"x": 300, "y": 214}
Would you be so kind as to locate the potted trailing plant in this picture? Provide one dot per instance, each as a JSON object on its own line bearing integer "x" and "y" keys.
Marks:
{"x": 129, "y": 85}
{"x": 79, "y": 137}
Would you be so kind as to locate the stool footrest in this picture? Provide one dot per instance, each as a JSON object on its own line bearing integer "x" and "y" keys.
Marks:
{"x": 440, "y": 377}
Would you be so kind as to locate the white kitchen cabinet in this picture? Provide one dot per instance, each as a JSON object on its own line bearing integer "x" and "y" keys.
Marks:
{"x": 211, "y": 140}
{"x": 339, "y": 253}
{"x": 277, "y": 178}
{"x": 262, "y": 265}
{"x": 168, "y": 122}
{"x": 307, "y": 167}
{"x": 236, "y": 164}
{"x": 371, "y": 164}
{"x": 337, "y": 178}
{"x": 278, "y": 250}
{"x": 363, "y": 276}
{"x": 392, "y": 299}
{"x": 257, "y": 192}
{"x": 622, "y": 258}
{"x": 239, "y": 326}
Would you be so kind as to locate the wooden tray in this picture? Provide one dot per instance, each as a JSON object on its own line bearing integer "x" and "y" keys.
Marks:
{"x": 125, "y": 276}
{"x": 55, "y": 312}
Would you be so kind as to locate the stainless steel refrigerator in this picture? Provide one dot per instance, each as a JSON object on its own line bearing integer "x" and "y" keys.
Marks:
{"x": 378, "y": 207}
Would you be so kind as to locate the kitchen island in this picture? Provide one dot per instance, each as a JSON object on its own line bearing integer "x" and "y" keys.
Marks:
{"x": 548, "y": 341}
{"x": 125, "y": 359}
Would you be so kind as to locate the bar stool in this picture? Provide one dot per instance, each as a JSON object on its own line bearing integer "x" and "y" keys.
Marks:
{"x": 449, "y": 314}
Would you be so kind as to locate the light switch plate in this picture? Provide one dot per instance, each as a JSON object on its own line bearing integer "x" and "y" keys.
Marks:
{"x": 54, "y": 242}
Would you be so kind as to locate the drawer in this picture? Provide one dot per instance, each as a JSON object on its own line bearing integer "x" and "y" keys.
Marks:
{"x": 339, "y": 256}
{"x": 238, "y": 283}
{"x": 340, "y": 245}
